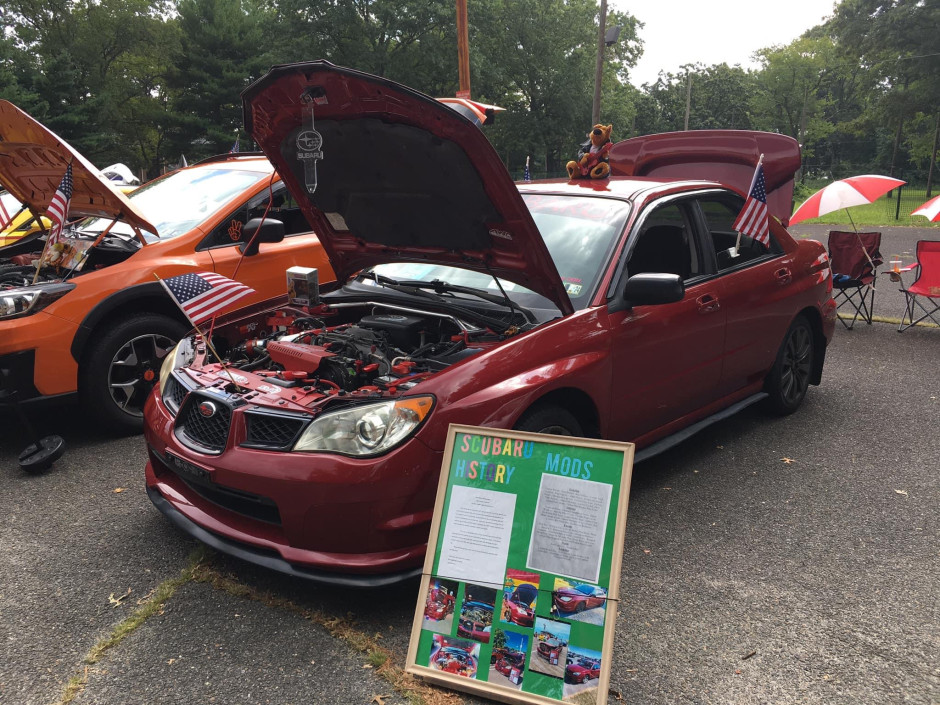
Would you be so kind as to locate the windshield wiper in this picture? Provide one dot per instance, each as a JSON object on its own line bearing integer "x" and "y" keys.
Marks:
{"x": 440, "y": 288}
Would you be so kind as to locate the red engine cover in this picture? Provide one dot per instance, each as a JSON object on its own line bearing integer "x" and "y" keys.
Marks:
{"x": 293, "y": 356}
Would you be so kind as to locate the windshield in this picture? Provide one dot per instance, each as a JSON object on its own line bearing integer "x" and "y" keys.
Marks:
{"x": 181, "y": 201}
{"x": 580, "y": 233}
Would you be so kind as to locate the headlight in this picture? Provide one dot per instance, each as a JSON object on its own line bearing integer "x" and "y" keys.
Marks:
{"x": 25, "y": 301}
{"x": 368, "y": 429}
{"x": 180, "y": 356}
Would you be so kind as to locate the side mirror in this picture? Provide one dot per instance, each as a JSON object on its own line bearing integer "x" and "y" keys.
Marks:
{"x": 256, "y": 231}
{"x": 653, "y": 288}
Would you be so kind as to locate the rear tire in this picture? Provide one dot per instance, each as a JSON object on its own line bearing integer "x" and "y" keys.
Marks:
{"x": 789, "y": 377}
{"x": 549, "y": 419}
{"x": 122, "y": 366}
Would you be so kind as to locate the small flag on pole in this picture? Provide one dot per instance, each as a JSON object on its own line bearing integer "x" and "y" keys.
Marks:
{"x": 528, "y": 174}
{"x": 5, "y": 217}
{"x": 58, "y": 210}
{"x": 234, "y": 149}
{"x": 754, "y": 218}
{"x": 202, "y": 295}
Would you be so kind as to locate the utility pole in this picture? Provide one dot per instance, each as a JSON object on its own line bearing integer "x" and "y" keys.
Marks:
{"x": 688, "y": 98}
{"x": 599, "y": 66}
{"x": 933, "y": 157}
{"x": 463, "y": 50}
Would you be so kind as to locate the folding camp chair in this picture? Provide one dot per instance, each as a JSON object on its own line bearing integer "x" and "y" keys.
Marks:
{"x": 854, "y": 258}
{"x": 923, "y": 296}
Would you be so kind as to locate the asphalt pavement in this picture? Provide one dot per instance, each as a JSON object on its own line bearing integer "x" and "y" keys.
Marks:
{"x": 767, "y": 560}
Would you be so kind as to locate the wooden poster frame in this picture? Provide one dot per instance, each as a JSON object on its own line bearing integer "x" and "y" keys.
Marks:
{"x": 496, "y": 691}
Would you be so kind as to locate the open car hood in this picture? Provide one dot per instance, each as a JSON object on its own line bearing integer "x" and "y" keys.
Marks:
{"x": 384, "y": 173}
{"x": 727, "y": 156}
{"x": 33, "y": 161}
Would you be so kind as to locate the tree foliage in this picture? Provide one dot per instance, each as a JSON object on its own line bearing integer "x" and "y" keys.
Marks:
{"x": 146, "y": 81}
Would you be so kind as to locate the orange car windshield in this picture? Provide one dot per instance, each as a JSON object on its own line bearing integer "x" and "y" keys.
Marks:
{"x": 181, "y": 201}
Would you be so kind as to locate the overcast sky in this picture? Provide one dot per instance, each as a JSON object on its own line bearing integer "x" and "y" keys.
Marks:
{"x": 710, "y": 32}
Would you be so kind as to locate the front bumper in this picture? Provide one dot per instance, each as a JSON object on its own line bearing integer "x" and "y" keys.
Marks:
{"x": 321, "y": 517}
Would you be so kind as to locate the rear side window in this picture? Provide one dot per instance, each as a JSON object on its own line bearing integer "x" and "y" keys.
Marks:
{"x": 720, "y": 214}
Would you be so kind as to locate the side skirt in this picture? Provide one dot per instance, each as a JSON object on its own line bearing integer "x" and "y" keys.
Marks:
{"x": 675, "y": 439}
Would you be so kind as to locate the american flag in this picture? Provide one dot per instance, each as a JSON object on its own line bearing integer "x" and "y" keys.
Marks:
{"x": 5, "y": 217}
{"x": 234, "y": 149}
{"x": 754, "y": 219}
{"x": 528, "y": 175}
{"x": 58, "y": 209}
{"x": 202, "y": 295}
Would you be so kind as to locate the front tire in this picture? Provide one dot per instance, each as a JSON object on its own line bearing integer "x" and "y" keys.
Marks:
{"x": 789, "y": 377}
{"x": 121, "y": 367}
{"x": 549, "y": 419}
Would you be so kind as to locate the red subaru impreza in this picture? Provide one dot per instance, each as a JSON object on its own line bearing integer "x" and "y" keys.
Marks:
{"x": 626, "y": 308}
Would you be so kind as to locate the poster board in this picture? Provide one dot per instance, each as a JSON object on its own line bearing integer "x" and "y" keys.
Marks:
{"x": 519, "y": 592}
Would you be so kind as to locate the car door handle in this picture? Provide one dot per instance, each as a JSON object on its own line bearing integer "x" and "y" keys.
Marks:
{"x": 783, "y": 275}
{"x": 707, "y": 303}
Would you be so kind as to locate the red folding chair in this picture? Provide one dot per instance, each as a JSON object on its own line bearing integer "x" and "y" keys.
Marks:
{"x": 854, "y": 259}
{"x": 924, "y": 293}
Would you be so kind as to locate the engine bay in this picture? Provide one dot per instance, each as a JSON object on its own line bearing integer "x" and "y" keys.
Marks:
{"x": 304, "y": 356}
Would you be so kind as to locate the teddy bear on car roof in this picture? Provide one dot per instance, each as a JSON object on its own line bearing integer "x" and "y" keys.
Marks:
{"x": 592, "y": 159}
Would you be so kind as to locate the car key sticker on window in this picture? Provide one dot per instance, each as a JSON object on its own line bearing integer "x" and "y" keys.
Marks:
{"x": 309, "y": 143}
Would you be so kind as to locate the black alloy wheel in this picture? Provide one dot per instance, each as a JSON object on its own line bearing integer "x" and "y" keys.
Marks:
{"x": 790, "y": 375}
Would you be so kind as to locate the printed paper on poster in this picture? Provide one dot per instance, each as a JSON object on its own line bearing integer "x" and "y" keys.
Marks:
{"x": 477, "y": 529}
{"x": 569, "y": 527}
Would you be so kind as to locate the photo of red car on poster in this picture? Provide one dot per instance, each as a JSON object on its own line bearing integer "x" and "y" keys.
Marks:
{"x": 520, "y": 594}
{"x": 439, "y": 606}
{"x": 582, "y": 671}
{"x": 507, "y": 660}
{"x": 456, "y": 656}
{"x": 550, "y": 647}
{"x": 579, "y": 601}
{"x": 476, "y": 613}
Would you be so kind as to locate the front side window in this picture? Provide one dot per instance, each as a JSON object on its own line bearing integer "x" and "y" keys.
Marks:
{"x": 730, "y": 251}
{"x": 666, "y": 244}
{"x": 283, "y": 208}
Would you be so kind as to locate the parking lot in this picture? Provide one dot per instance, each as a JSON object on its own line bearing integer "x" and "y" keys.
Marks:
{"x": 791, "y": 560}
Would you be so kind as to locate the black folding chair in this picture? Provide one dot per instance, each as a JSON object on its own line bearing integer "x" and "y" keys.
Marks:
{"x": 854, "y": 259}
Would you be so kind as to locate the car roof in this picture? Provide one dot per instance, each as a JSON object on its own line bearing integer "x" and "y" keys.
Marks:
{"x": 622, "y": 187}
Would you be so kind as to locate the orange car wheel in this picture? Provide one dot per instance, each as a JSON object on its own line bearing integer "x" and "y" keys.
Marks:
{"x": 121, "y": 367}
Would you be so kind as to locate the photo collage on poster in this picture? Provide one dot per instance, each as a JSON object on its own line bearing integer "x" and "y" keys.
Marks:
{"x": 517, "y": 596}
{"x": 538, "y": 629}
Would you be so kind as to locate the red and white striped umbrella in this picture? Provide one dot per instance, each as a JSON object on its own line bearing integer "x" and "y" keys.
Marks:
{"x": 853, "y": 191}
{"x": 930, "y": 210}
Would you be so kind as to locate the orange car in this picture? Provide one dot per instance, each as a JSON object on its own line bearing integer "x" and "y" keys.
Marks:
{"x": 102, "y": 327}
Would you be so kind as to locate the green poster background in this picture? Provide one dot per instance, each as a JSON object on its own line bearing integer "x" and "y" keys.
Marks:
{"x": 480, "y": 460}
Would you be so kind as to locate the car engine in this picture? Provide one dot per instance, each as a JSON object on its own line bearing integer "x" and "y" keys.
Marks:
{"x": 384, "y": 350}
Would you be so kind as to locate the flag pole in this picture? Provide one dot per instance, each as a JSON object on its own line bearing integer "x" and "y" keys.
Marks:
{"x": 760, "y": 160}
{"x": 198, "y": 330}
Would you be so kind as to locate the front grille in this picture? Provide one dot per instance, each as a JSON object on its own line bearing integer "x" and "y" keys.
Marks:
{"x": 200, "y": 432}
{"x": 174, "y": 393}
{"x": 272, "y": 431}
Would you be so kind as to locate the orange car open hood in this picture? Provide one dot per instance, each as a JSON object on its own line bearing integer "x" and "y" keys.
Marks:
{"x": 726, "y": 156}
{"x": 33, "y": 161}
{"x": 384, "y": 173}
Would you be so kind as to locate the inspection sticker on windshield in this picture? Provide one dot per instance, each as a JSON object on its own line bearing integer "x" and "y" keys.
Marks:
{"x": 309, "y": 143}
{"x": 573, "y": 289}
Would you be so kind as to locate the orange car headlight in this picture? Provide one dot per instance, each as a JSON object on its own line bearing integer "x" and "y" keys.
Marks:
{"x": 27, "y": 300}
